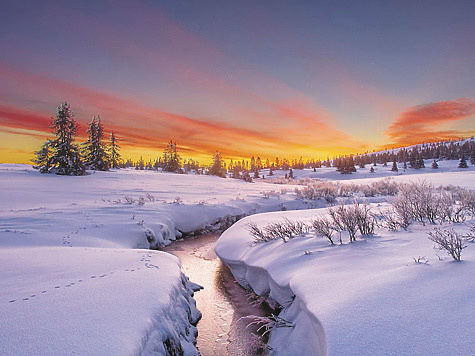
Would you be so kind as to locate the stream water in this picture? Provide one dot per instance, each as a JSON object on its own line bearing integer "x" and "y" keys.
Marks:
{"x": 223, "y": 302}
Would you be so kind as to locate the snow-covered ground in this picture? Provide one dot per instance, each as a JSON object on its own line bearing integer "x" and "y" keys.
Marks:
{"x": 363, "y": 175}
{"x": 78, "y": 278}
{"x": 368, "y": 297}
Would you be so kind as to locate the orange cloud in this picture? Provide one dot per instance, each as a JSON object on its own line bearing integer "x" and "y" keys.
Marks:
{"x": 424, "y": 122}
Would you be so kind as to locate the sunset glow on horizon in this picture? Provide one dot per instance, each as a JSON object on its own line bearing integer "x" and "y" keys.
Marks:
{"x": 268, "y": 78}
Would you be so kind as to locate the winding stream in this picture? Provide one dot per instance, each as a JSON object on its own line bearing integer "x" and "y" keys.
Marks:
{"x": 222, "y": 301}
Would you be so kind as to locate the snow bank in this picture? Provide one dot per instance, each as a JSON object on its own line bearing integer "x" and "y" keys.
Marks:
{"x": 364, "y": 298}
{"x": 92, "y": 301}
{"x": 71, "y": 283}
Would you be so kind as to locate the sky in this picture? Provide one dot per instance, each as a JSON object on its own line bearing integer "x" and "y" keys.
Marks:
{"x": 264, "y": 78}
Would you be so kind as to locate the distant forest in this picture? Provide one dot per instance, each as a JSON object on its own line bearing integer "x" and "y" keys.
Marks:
{"x": 63, "y": 156}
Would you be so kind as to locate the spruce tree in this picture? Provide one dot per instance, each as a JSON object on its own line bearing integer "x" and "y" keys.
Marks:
{"x": 94, "y": 151}
{"x": 394, "y": 167}
{"x": 463, "y": 162}
{"x": 171, "y": 158}
{"x": 114, "y": 153}
{"x": 43, "y": 156}
{"x": 217, "y": 168}
{"x": 65, "y": 158}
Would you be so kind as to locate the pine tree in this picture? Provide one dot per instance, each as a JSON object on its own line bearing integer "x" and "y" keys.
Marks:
{"x": 94, "y": 151}
{"x": 65, "y": 158}
{"x": 256, "y": 173}
{"x": 114, "y": 153}
{"x": 394, "y": 167}
{"x": 434, "y": 165}
{"x": 463, "y": 162}
{"x": 171, "y": 158}
{"x": 217, "y": 168}
{"x": 472, "y": 157}
{"x": 43, "y": 156}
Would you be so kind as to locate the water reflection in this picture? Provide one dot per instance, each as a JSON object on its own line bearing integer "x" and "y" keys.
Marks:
{"x": 222, "y": 302}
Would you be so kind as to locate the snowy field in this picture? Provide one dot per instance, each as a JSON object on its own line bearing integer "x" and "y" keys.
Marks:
{"x": 78, "y": 277}
{"x": 387, "y": 294}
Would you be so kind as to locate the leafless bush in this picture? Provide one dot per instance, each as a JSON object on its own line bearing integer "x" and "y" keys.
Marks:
{"x": 449, "y": 240}
{"x": 467, "y": 199}
{"x": 390, "y": 220}
{"x": 129, "y": 200}
{"x": 386, "y": 186}
{"x": 420, "y": 201}
{"x": 330, "y": 190}
{"x": 270, "y": 193}
{"x": 470, "y": 236}
{"x": 366, "y": 220}
{"x": 141, "y": 200}
{"x": 150, "y": 197}
{"x": 345, "y": 218}
{"x": 420, "y": 259}
{"x": 286, "y": 229}
{"x": 324, "y": 226}
{"x": 268, "y": 323}
{"x": 257, "y": 233}
{"x": 283, "y": 230}
{"x": 178, "y": 201}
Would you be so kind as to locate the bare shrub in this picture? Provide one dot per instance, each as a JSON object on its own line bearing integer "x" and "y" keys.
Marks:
{"x": 366, "y": 220}
{"x": 129, "y": 200}
{"x": 420, "y": 260}
{"x": 270, "y": 193}
{"x": 330, "y": 190}
{"x": 324, "y": 226}
{"x": 448, "y": 240}
{"x": 150, "y": 197}
{"x": 141, "y": 200}
{"x": 470, "y": 236}
{"x": 283, "y": 230}
{"x": 258, "y": 234}
{"x": 390, "y": 220}
{"x": 345, "y": 218}
{"x": 268, "y": 322}
{"x": 420, "y": 201}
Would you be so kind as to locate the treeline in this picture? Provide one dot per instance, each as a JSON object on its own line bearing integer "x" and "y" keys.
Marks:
{"x": 62, "y": 156}
{"x": 463, "y": 150}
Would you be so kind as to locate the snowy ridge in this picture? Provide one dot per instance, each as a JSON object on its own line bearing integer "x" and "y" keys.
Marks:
{"x": 307, "y": 336}
{"x": 91, "y": 301}
{"x": 180, "y": 317}
{"x": 369, "y": 297}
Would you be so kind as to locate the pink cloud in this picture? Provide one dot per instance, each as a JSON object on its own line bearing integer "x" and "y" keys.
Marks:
{"x": 423, "y": 122}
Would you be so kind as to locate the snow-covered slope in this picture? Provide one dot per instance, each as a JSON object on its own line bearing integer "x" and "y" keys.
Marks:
{"x": 77, "y": 276}
{"x": 93, "y": 301}
{"x": 364, "y": 298}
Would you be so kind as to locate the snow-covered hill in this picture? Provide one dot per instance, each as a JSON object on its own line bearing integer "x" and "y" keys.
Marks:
{"x": 387, "y": 294}
{"x": 77, "y": 275}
